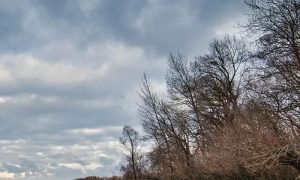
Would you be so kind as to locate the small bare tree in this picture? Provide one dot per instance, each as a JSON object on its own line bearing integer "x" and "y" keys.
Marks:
{"x": 130, "y": 141}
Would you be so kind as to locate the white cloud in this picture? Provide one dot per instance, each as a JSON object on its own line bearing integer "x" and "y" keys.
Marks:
{"x": 86, "y": 131}
{"x": 7, "y": 175}
{"x": 230, "y": 27}
{"x": 93, "y": 166}
{"x": 72, "y": 165}
{"x": 94, "y": 131}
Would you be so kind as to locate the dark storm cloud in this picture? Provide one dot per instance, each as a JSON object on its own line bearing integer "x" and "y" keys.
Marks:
{"x": 168, "y": 25}
{"x": 70, "y": 71}
{"x": 158, "y": 26}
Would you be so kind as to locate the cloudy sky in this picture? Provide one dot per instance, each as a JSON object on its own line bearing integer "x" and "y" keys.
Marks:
{"x": 70, "y": 71}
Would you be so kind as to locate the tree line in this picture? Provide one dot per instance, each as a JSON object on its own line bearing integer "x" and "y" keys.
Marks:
{"x": 231, "y": 113}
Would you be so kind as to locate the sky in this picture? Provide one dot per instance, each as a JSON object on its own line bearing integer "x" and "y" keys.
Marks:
{"x": 70, "y": 72}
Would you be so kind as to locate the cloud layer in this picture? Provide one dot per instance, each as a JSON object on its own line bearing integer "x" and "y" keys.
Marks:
{"x": 70, "y": 71}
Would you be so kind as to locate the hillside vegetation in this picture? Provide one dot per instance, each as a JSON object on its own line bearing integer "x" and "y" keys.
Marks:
{"x": 233, "y": 113}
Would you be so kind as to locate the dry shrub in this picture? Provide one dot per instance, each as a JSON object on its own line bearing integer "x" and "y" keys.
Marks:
{"x": 253, "y": 147}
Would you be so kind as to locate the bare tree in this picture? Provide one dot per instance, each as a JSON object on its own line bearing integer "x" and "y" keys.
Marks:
{"x": 209, "y": 88}
{"x": 220, "y": 74}
{"x": 130, "y": 141}
{"x": 167, "y": 125}
{"x": 276, "y": 26}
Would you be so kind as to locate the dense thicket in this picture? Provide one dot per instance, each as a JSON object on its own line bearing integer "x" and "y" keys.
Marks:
{"x": 234, "y": 112}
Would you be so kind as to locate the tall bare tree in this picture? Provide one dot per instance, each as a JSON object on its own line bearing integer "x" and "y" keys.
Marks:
{"x": 166, "y": 125}
{"x": 210, "y": 86}
{"x": 276, "y": 26}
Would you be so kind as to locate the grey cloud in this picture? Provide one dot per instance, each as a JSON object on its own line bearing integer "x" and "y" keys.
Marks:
{"x": 52, "y": 118}
{"x": 12, "y": 168}
{"x": 64, "y": 172}
{"x": 106, "y": 160}
{"x": 165, "y": 25}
